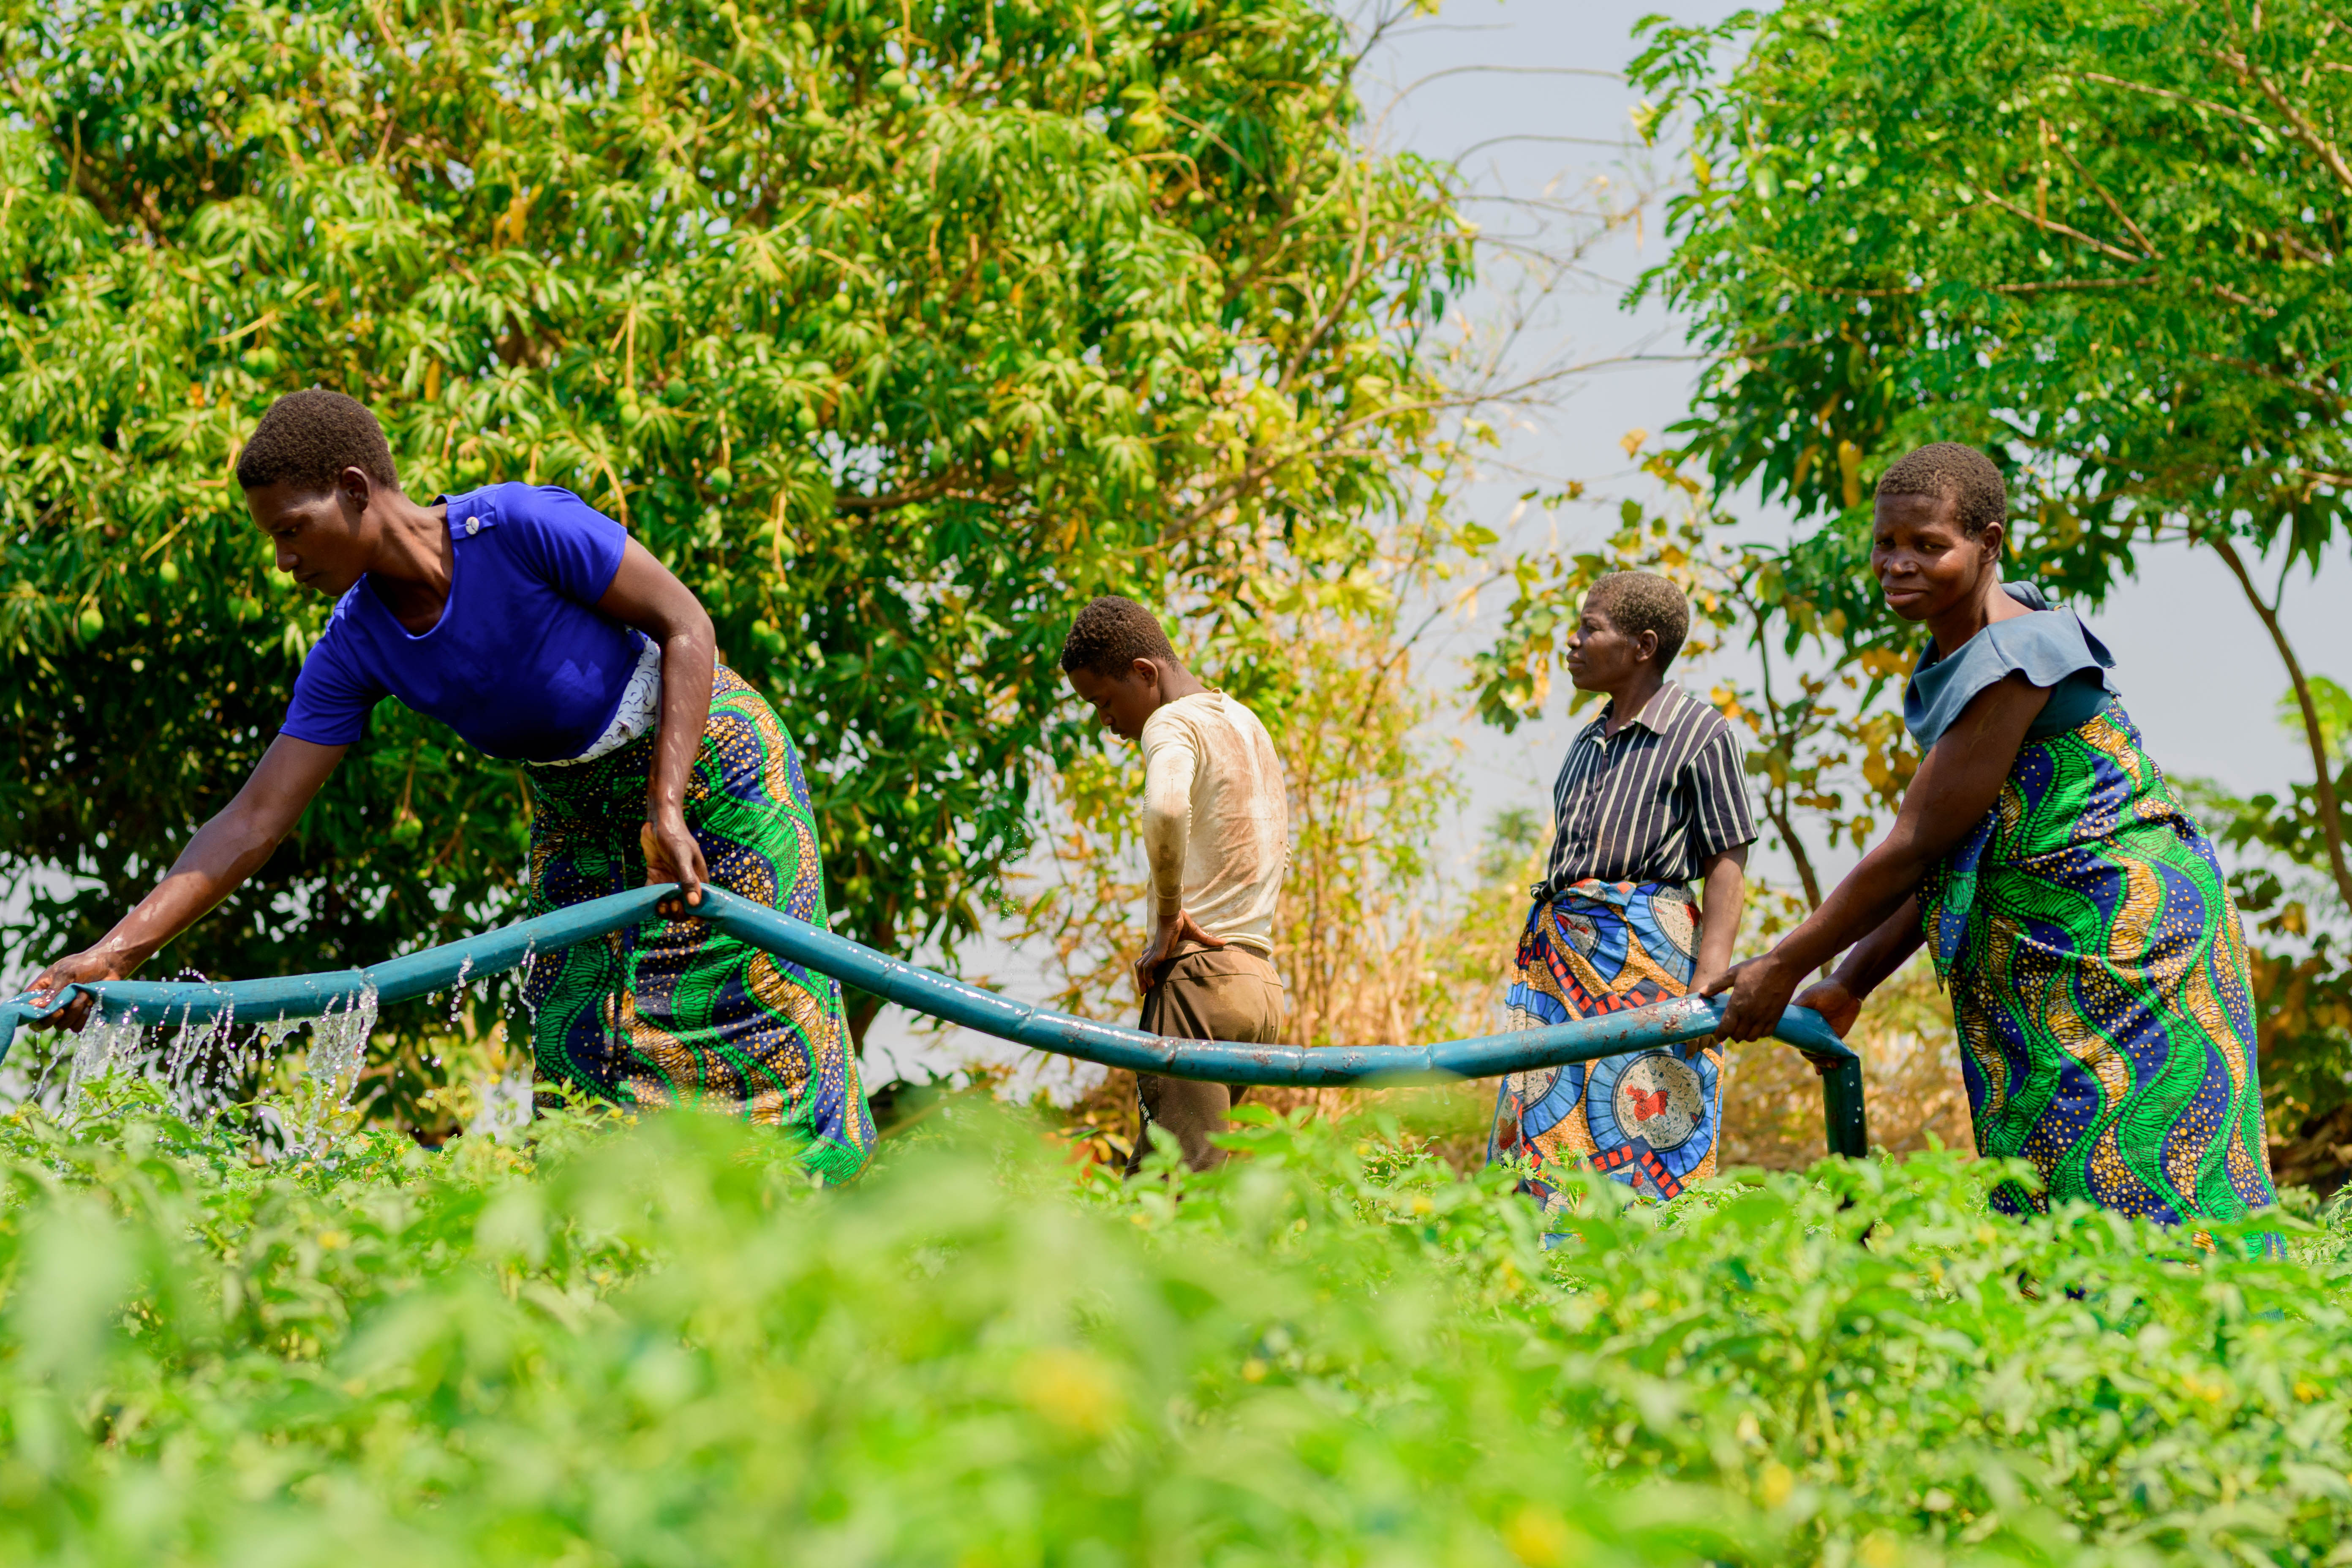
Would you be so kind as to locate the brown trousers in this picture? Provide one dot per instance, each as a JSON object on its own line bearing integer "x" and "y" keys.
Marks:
{"x": 1221, "y": 994}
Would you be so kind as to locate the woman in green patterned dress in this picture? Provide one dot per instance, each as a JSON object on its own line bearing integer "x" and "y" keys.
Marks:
{"x": 538, "y": 630}
{"x": 2077, "y": 914}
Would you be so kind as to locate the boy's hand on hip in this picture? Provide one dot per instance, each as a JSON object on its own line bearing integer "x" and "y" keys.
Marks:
{"x": 1164, "y": 944}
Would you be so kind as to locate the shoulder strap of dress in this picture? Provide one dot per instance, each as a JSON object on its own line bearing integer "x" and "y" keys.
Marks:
{"x": 2033, "y": 598}
{"x": 2091, "y": 640}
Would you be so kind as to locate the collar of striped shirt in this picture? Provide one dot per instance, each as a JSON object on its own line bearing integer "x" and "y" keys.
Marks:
{"x": 1657, "y": 715}
{"x": 1650, "y": 803}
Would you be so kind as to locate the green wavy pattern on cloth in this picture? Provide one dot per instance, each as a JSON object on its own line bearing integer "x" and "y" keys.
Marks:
{"x": 678, "y": 1011}
{"x": 2097, "y": 970}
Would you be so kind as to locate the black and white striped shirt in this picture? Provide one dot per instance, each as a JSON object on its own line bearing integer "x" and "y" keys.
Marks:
{"x": 1651, "y": 802}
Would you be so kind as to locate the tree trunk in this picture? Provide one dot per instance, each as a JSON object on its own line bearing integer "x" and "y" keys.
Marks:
{"x": 861, "y": 1017}
{"x": 1777, "y": 797}
{"x": 2331, "y": 821}
{"x": 1796, "y": 847}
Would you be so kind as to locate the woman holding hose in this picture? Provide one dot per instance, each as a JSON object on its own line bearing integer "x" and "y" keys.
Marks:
{"x": 2095, "y": 961}
{"x": 535, "y": 627}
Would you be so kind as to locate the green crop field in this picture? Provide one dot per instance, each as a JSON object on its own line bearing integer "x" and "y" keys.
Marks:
{"x": 656, "y": 1344}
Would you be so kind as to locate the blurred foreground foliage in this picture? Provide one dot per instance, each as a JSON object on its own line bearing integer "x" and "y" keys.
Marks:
{"x": 656, "y": 1345}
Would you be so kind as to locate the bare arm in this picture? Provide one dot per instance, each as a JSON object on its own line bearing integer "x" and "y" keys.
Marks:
{"x": 1839, "y": 998}
{"x": 1167, "y": 825}
{"x": 224, "y": 851}
{"x": 1882, "y": 953}
{"x": 648, "y": 596}
{"x": 1723, "y": 890}
{"x": 1168, "y": 775}
{"x": 1956, "y": 785}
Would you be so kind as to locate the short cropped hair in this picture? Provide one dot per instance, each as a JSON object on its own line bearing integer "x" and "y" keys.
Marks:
{"x": 1111, "y": 634}
{"x": 1638, "y": 602}
{"x": 1949, "y": 471}
{"x": 309, "y": 437}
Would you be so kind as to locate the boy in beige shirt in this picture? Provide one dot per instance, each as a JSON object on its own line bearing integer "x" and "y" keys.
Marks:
{"x": 1216, "y": 834}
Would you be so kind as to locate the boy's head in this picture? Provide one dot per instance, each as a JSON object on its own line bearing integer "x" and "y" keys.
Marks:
{"x": 1630, "y": 619}
{"x": 1115, "y": 658}
{"x": 315, "y": 463}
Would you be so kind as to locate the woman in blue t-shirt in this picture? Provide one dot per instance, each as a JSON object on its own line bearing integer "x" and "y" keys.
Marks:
{"x": 538, "y": 630}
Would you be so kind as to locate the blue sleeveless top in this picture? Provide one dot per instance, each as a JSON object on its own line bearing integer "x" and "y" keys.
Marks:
{"x": 2051, "y": 649}
{"x": 521, "y": 663}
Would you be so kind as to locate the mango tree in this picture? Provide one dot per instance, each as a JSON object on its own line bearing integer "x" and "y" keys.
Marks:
{"x": 897, "y": 330}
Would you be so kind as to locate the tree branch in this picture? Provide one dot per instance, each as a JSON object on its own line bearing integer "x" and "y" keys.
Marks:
{"x": 2054, "y": 226}
{"x": 2331, "y": 822}
{"x": 857, "y": 503}
{"x": 2122, "y": 216}
{"x": 2221, "y": 109}
{"x": 2304, "y": 132}
{"x": 1570, "y": 140}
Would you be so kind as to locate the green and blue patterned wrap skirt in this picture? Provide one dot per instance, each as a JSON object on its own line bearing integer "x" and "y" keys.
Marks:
{"x": 677, "y": 1012}
{"x": 2098, "y": 976}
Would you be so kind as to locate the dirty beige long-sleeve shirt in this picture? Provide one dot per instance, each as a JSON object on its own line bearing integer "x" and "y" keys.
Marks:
{"x": 1216, "y": 829}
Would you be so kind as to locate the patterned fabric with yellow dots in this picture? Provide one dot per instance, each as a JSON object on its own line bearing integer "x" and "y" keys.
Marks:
{"x": 678, "y": 1011}
{"x": 2098, "y": 977}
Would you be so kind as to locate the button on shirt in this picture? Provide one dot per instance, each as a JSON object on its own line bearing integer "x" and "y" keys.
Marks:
{"x": 522, "y": 662}
{"x": 1651, "y": 802}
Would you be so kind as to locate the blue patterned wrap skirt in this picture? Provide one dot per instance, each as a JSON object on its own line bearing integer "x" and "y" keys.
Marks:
{"x": 1648, "y": 1118}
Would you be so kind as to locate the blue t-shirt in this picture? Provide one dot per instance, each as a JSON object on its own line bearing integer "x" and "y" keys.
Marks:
{"x": 521, "y": 663}
{"x": 2052, "y": 648}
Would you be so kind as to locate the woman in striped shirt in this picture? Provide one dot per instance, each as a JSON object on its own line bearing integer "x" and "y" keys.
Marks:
{"x": 1648, "y": 801}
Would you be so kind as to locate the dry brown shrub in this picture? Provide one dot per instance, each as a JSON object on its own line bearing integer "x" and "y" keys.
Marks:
{"x": 1454, "y": 983}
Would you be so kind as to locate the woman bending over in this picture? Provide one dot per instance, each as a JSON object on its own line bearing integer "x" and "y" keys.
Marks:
{"x": 539, "y": 631}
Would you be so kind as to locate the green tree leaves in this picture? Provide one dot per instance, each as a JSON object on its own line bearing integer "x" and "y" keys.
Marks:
{"x": 2101, "y": 238}
{"x": 897, "y": 331}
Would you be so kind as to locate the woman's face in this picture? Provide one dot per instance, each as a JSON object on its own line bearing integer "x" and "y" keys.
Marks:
{"x": 315, "y": 533}
{"x": 1601, "y": 656}
{"x": 1925, "y": 562}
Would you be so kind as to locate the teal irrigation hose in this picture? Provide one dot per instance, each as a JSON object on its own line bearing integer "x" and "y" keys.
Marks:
{"x": 925, "y": 991}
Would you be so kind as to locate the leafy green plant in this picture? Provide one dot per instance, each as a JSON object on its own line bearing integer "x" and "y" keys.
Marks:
{"x": 656, "y": 1344}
